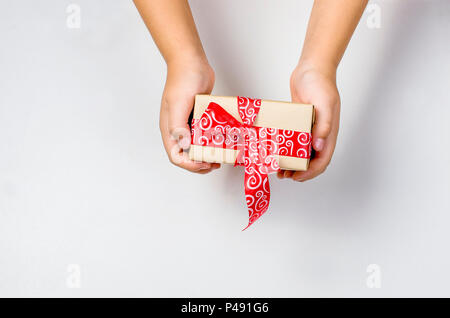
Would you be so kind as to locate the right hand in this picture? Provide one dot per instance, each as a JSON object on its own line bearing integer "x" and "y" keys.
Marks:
{"x": 184, "y": 80}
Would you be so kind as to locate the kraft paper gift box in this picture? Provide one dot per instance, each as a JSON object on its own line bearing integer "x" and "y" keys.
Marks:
{"x": 287, "y": 118}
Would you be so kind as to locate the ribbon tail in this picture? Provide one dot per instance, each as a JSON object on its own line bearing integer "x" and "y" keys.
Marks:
{"x": 257, "y": 194}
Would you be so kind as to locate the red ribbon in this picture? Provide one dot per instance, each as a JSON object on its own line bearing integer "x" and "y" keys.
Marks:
{"x": 257, "y": 147}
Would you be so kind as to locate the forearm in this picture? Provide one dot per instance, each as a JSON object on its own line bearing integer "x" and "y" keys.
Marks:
{"x": 173, "y": 29}
{"x": 330, "y": 28}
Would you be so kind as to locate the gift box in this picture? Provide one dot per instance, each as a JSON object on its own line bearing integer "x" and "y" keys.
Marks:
{"x": 284, "y": 116}
{"x": 261, "y": 135}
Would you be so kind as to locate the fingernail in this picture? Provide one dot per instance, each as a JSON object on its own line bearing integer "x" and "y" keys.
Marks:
{"x": 299, "y": 179}
{"x": 204, "y": 167}
{"x": 184, "y": 143}
{"x": 318, "y": 144}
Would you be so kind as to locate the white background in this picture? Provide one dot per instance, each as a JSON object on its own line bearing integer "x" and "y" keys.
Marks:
{"x": 84, "y": 178}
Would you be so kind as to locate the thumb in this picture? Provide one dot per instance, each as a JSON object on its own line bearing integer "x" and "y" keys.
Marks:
{"x": 322, "y": 127}
{"x": 178, "y": 122}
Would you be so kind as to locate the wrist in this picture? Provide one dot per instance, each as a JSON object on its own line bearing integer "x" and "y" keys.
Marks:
{"x": 192, "y": 73}
{"x": 191, "y": 65}
{"x": 327, "y": 69}
{"x": 191, "y": 60}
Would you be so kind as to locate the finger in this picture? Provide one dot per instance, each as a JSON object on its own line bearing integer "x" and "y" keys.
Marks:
{"x": 322, "y": 127}
{"x": 196, "y": 167}
{"x": 288, "y": 173}
{"x": 176, "y": 153}
{"x": 213, "y": 167}
{"x": 316, "y": 167}
{"x": 178, "y": 117}
{"x": 182, "y": 160}
{"x": 319, "y": 163}
{"x": 281, "y": 174}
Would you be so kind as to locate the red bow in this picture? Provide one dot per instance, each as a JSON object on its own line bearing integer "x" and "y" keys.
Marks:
{"x": 257, "y": 147}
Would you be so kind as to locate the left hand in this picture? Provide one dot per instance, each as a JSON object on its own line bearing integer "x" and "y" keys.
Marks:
{"x": 311, "y": 85}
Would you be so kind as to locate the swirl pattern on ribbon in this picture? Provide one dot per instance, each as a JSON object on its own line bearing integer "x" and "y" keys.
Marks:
{"x": 258, "y": 147}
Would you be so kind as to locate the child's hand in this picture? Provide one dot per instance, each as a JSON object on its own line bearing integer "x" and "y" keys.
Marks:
{"x": 188, "y": 73}
{"x": 311, "y": 86}
{"x": 330, "y": 28}
{"x": 184, "y": 81}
